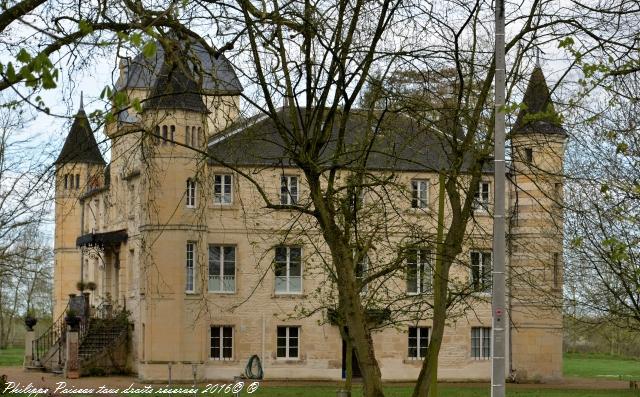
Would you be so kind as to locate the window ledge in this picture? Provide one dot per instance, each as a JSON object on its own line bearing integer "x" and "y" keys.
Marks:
{"x": 222, "y": 292}
{"x": 234, "y": 361}
{"x": 289, "y": 295}
{"x": 417, "y": 361}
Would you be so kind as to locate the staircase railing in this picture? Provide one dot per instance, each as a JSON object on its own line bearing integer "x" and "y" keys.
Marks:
{"x": 53, "y": 335}
{"x": 122, "y": 322}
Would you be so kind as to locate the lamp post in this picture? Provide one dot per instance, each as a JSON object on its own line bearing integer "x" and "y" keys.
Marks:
{"x": 498, "y": 269}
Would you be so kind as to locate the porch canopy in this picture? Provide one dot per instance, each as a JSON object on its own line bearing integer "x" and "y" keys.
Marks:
{"x": 102, "y": 240}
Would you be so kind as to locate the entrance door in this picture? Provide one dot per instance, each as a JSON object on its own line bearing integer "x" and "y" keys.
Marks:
{"x": 354, "y": 362}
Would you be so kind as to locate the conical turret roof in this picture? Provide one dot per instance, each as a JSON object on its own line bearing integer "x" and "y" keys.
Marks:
{"x": 80, "y": 145}
{"x": 539, "y": 115}
{"x": 175, "y": 88}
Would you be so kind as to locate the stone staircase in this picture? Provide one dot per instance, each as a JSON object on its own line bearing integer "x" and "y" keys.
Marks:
{"x": 103, "y": 346}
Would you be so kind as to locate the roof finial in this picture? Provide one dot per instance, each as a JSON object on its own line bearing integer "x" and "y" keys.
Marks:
{"x": 81, "y": 101}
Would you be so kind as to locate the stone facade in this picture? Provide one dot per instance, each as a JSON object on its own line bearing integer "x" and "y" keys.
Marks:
{"x": 175, "y": 317}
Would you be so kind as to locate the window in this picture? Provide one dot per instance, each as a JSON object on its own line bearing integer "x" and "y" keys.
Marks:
{"x": 528, "y": 155}
{"x": 191, "y": 137}
{"x": 419, "y": 275}
{"x": 172, "y": 134}
{"x": 190, "y": 267}
{"x": 481, "y": 271}
{"x": 222, "y": 342}
{"x": 191, "y": 193}
{"x": 222, "y": 189}
{"x": 481, "y": 343}
{"x": 361, "y": 270}
{"x": 164, "y": 134}
{"x": 556, "y": 270}
{"x": 288, "y": 269}
{"x": 66, "y": 181}
{"x": 481, "y": 198}
{"x": 419, "y": 190}
{"x": 418, "y": 342}
{"x": 156, "y": 138}
{"x": 222, "y": 268}
{"x": 288, "y": 190}
{"x": 288, "y": 342}
{"x": 77, "y": 181}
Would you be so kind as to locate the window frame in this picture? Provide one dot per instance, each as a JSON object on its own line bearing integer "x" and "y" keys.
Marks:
{"x": 418, "y": 202}
{"x": 480, "y": 203}
{"x": 287, "y": 339}
{"x": 287, "y": 276}
{"x": 484, "y": 339}
{"x": 418, "y": 347}
{"x": 222, "y": 185}
{"x": 286, "y": 197}
{"x": 421, "y": 265}
{"x": 191, "y": 255}
{"x": 222, "y": 274}
{"x": 482, "y": 255}
{"x": 221, "y": 346}
{"x": 192, "y": 193}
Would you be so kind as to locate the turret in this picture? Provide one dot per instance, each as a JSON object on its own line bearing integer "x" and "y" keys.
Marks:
{"x": 79, "y": 168}
{"x": 535, "y": 234}
{"x": 537, "y": 137}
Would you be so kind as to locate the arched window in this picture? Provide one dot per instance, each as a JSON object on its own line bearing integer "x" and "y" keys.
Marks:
{"x": 164, "y": 134}
{"x": 172, "y": 134}
{"x": 156, "y": 138}
{"x": 187, "y": 136}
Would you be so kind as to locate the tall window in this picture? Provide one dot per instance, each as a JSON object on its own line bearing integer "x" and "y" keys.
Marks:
{"x": 288, "y": 190}
{"x": 419, "y": 189}
{"x": 191, "y": 137}
{"x": 288, "y": 342}
{"x": 190, "y": 267}
{"x": 223, "y": 189}
{"x": 156, "y": 138}
{"x": 222, "y": 342}
{"x": 191, "y": 193}
{"x": 528, "y": 155}
{"x": 172, "y": 134}
{"x": 481, "y": 271}
{"x": 556, "y": 270}
{"x": 481, "y": 343}
{"x": 66, "y": 181}
{"x": 419, "y": 274}
{"x": 288, "y": 269}
{"x": 77, "y": 181}
{"x": 481, "y": 198}
{"x": 165, "y": 132}
{"x": 361, "y": 271}
{"x": 222, "y": 268}
{"x": 418, "y": 342}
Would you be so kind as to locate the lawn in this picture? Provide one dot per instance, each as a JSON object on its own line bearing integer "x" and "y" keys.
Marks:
{"x": 445, "y": 391}
{"x": 12, "y": 357}
{"x": 601, "y": 366}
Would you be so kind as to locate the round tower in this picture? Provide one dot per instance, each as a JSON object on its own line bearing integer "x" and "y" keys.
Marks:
{"x": 535, "y": 273}
{"x": 78, "y": 169}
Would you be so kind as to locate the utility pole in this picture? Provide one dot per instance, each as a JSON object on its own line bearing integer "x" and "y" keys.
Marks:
{"x": 498, "y": 268}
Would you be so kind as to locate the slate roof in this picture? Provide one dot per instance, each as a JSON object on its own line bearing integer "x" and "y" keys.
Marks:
{"x": 80, "y": 145}
{"x": 175, "y": 88}
{"x": 218, "y": 76}
{"x": 401, "y": 145}
{"x": 539, "y": 115}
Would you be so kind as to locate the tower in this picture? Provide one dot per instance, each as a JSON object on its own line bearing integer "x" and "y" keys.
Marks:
{"x": 78, "y": 168}
{"x": 536, "y": 229}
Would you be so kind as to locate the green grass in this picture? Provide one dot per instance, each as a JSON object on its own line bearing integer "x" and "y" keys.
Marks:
{"x": 601, "y": 366}
{"x": 11, "y": 357}
{"x": 445, "y": 391}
